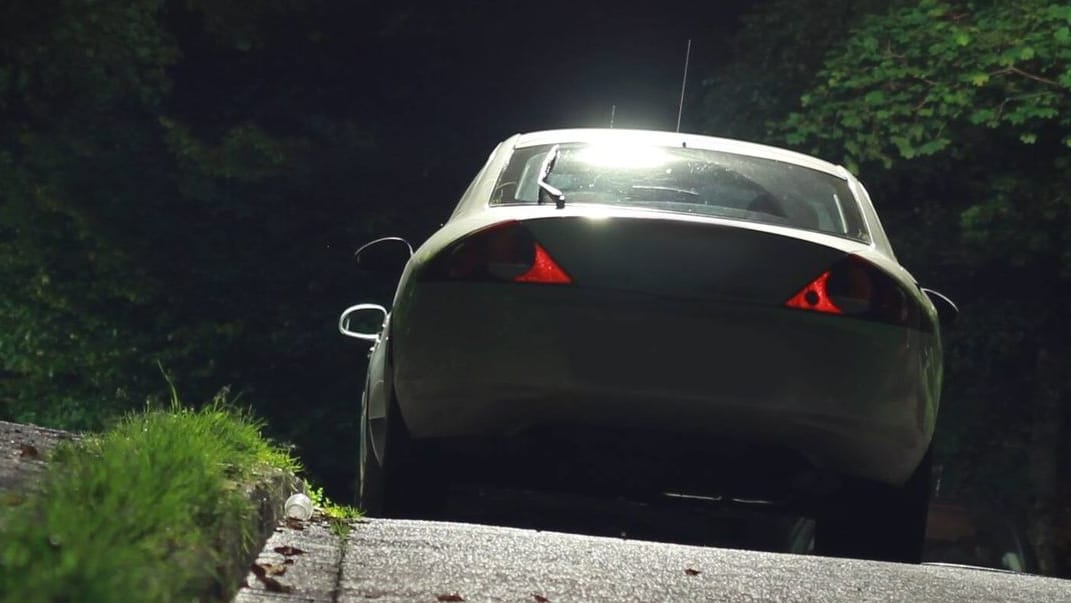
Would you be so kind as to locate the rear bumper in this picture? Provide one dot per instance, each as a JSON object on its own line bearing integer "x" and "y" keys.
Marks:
{"x": 496, "y": 361}
{"x": 634, "y": 464}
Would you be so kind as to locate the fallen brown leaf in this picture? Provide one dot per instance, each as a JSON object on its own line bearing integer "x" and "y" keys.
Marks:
{"x": 28, "y": 451}
{"x": 295, "y": 524}
{"x": 11, "y": 499}
{"x": 692, "y": 572}
{"x": 288, "y": 562}
{"x": 453, "y": 597}
{"x": 275, "y": 586}
{"x": 540, "y": 598}
{"x": 273, "y": 569}
{"x": 288, "y": 551}
{"x": 271, "y": 584}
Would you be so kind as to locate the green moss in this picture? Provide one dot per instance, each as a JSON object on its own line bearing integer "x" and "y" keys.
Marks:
{"x": 137, "y": 514}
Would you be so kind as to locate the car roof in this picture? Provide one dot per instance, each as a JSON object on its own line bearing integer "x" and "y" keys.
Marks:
{"x": 659, "y": 138}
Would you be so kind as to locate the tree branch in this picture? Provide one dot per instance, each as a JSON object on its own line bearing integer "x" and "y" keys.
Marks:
{"x": 1027, "y": 75}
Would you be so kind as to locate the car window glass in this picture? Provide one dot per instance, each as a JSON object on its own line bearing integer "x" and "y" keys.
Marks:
{"x": 694, "y": 181}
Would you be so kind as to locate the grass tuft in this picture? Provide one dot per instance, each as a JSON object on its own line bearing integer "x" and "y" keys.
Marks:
{"x": 136, "y": 514}
{"x": 339, "y": 516}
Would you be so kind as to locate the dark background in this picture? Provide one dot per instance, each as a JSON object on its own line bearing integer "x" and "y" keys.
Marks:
{"x": 183, "y": 184}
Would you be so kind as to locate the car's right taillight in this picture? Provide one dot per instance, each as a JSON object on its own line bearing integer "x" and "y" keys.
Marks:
{"x": 856, "y": 288}
{"x": 505, "y": 252}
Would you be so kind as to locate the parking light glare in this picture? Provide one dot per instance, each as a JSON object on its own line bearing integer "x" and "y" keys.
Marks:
{"x": 623, "y": 156}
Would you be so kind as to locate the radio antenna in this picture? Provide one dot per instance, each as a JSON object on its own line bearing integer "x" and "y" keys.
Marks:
{"x": 613, "y": 112}
{"x": 684, "y": 82}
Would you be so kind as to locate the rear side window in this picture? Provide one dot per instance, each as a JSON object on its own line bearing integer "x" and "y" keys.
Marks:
{"x": 693, "y": 181}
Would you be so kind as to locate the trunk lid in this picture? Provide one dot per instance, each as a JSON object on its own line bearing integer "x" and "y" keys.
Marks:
{"x": 683, "y": 258}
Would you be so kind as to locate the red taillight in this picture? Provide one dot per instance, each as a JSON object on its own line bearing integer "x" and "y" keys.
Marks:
{"x": 855, "y": 287}
{"x": 503, "y": 252}
{"x": 815, "y": 296}
{"x": 544, "y": 270}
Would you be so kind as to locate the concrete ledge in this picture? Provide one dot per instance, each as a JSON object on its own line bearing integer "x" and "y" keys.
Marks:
{"x": 241, "y": 546}
{"x": 24, "y": 451}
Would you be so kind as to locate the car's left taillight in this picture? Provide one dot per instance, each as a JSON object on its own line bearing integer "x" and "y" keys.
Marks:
{"x": 504, "y": 252}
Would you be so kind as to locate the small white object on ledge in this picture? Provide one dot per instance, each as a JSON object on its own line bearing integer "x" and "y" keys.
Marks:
{"x": 298, "y": 506}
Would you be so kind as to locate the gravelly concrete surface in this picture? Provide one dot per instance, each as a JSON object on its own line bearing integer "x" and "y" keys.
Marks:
{"x": 310, "y": 573}
{"x": 387, "y": 561}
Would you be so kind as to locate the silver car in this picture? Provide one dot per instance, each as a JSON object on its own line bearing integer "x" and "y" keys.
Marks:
{"x": 645, "y": 314}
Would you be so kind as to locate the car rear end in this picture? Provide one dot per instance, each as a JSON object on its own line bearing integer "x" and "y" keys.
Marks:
{"x": 704, "y": 341}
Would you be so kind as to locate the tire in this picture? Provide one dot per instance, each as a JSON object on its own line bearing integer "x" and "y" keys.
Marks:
{"x": 369, "y": 473}
{"x": 409, "y": 483}
{"x": 875, "y": 521}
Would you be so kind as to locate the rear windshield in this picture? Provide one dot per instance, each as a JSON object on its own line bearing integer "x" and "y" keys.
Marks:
{"x": 693, "y": 181}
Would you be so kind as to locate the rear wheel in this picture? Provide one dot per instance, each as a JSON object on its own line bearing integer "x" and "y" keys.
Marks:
{"x": 408, "y": 482}
{"x": 874, "y": 521}
{"x": 369, "y": 474}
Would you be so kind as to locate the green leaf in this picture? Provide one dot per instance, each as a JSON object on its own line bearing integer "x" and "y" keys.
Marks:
{"x": 980, "y": 79}
{"x": 933, "y": 8}
{"x": 907, "y": 150}
{"x": 1028, "y": 138}
{"x": 874, "y": 97}
{"x": 983, "y": 116}
{"x": 1060, "y": 11}
{"x": 934, "y": 146}
{"x": 851, "y": 120}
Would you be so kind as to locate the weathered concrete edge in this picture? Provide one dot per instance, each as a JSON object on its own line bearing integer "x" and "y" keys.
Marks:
{"x": 238, "y": 552}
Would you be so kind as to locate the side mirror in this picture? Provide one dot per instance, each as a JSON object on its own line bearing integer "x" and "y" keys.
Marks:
{"x": 347, "y": 314}
{"x": 387, "y": 255}
{"x": 947, "y": 312}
